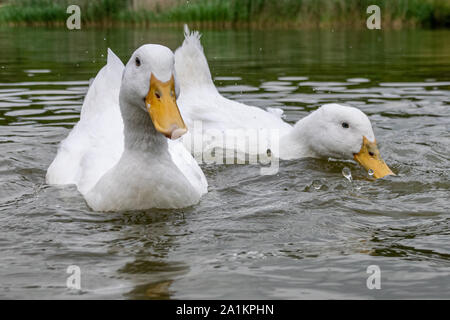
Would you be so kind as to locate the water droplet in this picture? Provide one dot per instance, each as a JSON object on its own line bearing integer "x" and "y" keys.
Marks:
{"x": 370, "y": 172}
{"x": 346, "y": 172}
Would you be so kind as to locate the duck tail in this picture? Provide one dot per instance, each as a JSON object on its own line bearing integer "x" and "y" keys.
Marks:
{"x": 191, "y": 66}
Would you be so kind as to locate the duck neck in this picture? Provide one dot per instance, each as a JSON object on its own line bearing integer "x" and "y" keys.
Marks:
{"x": 297, "y": 143}
{"x": 139, "y": 132}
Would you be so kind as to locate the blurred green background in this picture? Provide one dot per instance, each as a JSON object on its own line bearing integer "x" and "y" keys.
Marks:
{"x": 231, "y": 13}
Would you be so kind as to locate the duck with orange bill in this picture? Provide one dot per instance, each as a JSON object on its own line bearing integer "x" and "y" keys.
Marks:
{"x": 332, "y": 131}
{"x": 123, "y": 153}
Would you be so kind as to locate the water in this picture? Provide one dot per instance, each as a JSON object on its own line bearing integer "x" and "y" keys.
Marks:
{"x": 306, "y": 232}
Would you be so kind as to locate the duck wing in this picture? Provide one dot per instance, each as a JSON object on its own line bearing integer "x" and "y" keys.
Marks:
{"x": 95, "y": 144}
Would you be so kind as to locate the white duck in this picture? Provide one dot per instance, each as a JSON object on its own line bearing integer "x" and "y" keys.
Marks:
{"x": 332, "y": 131}
{"x": 117, "y": 155}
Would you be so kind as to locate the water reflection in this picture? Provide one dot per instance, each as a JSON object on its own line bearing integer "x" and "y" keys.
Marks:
{"x": 149, "y": 237}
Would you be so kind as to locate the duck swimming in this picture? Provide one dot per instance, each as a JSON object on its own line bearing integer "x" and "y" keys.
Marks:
{"x": 120, "y": 154}
{"x": 331, "y": 131}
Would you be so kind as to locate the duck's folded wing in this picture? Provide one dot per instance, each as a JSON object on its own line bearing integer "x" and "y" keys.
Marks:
{"x": 96, "y": 142}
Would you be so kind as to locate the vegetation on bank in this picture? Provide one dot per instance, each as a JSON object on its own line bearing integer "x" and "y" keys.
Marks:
{"x": 257, "y": 13}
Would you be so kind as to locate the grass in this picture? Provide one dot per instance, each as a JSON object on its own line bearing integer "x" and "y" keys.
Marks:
{"x": 257, "y": 13}
{"x": 54, "y": 11}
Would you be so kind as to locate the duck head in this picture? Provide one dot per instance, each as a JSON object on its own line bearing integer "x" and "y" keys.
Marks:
{"x": 149, "y": 84}
{"x": 343, "y": 132}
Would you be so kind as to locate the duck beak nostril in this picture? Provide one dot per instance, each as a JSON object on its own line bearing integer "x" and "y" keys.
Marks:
{"x": 369, "y": 158}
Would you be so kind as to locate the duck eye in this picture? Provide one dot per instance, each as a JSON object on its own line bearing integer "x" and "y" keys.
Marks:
{"x": 371, "y": 153}
{"x": 138, "y": 62}
{"x": 345, "y": 125}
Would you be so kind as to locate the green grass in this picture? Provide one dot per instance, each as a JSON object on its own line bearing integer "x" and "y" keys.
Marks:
{"x": 262, "y": 13}
{"x": 53, "y": 11}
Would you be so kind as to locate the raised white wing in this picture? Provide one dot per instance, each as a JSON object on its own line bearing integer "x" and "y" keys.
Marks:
{"x": 95, "y": 144}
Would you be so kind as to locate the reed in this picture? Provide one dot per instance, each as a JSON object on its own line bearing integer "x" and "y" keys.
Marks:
{"x": 259, "y": 13}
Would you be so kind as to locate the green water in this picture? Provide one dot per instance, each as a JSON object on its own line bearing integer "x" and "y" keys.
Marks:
{"x": 306, "y": 232}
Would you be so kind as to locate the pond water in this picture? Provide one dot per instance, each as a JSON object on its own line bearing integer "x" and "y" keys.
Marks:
{"x": 306, "y": 232}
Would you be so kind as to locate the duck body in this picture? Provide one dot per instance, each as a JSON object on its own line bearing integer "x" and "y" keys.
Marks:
{"x": 332, "y": 131}
{"x": 114, "y": 154}
{"x": 126, "y": 185}
{"x": 201, "y": 104}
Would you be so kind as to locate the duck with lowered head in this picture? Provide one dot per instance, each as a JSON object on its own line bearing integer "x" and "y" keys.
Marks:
{"x": 331, "y": 131}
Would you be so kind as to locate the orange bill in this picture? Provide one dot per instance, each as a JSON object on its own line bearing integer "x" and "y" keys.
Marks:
{"x": 369, "y": 157}
{"x": 162, "y": 106}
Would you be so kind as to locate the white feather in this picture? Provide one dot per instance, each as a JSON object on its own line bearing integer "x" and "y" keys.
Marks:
{"x": 200, "y": 101}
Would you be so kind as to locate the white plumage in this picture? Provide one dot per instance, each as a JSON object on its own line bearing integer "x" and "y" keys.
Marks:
{"x": 154, "y": 172}
{"x": 320, "y": 134}
{"x": 200, "y": 101}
